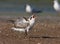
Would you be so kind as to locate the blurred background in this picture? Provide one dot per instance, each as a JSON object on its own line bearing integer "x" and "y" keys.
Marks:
{"x": 16, "y": 7}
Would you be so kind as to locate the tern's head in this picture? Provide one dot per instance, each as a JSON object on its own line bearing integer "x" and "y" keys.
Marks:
{"x": 32, "y": 20}
{"x": 32, "y": 17}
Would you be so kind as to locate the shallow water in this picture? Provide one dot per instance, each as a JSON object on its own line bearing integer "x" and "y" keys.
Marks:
{"x": 12, "y": 7}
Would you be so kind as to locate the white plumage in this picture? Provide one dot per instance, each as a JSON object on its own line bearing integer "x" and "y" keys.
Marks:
{"x": 30, "y": 22}
{"x": 56, "y": 5}
{"x": 32, "y": 10}
{"x": 28, "y": 8}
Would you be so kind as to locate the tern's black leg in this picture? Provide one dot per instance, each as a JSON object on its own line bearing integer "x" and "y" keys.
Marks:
{"x": 25, "y": 32}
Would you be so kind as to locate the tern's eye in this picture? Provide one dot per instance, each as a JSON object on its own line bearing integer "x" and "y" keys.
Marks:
{"x": 34, "y": 16}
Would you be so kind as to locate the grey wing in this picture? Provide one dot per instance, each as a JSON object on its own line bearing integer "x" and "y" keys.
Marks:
{"x": 22, "y": 19}
{"x": 24, "y": 25}
{"x": 20, "y": 23}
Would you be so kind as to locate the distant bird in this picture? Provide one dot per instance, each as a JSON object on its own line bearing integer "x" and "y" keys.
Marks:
{"x": 29, "y": 9}
{"x": 56, "y": 5}
{"x": 25, "y": 25}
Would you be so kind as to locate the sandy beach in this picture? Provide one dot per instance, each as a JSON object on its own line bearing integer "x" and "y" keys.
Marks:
{"x": 45, "y": 31}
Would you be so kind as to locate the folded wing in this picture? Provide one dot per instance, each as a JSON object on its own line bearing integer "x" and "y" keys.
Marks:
{"x": 21, "y": 23}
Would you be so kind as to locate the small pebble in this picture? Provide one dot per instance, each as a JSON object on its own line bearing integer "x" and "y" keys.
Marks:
{"x": 38, "y": 43}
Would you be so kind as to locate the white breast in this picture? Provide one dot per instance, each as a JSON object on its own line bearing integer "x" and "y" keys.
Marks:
{"x": 32, "y": 21}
